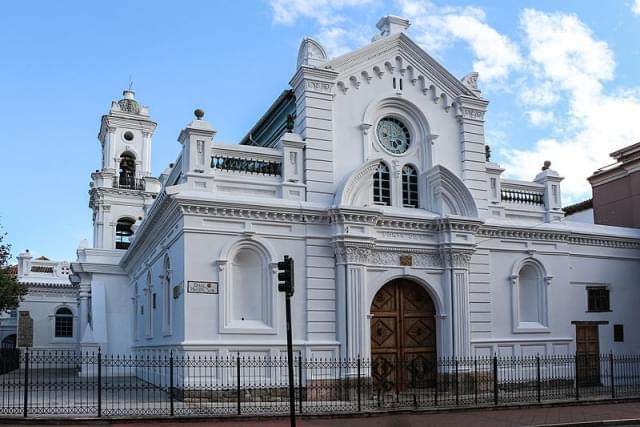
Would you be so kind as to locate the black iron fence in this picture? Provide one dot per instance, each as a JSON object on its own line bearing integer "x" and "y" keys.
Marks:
{"x": 36, "y": 383}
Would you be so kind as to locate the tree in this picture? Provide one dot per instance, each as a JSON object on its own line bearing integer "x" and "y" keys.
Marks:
{"x": 11, "y": 292}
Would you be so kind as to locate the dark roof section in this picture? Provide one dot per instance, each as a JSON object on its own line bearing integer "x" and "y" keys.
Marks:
{"x": 578, "y": 207}
{"x": 272, "y": 124}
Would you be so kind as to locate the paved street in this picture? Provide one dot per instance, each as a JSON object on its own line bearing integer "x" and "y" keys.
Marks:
{"x": 557, "y": 415}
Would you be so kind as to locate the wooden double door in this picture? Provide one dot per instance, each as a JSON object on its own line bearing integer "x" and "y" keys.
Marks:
{"x": 403, "y": 337}
{"x": 587, "y": 354}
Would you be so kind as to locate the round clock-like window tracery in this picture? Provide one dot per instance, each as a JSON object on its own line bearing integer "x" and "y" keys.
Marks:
{"x": 393, "y": 135}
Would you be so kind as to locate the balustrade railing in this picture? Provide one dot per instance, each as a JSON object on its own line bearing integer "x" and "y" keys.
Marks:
{"x": 157, "y": 384}
{"x": 128, "y": 183}
{"x": 247, "y": 160}
{"x": 530, "y": 197}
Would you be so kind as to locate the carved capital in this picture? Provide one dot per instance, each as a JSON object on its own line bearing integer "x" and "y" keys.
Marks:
{"x": 456, "y": 259}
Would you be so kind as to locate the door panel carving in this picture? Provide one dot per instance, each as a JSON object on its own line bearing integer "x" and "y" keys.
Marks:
{"x": 403, "y": 336}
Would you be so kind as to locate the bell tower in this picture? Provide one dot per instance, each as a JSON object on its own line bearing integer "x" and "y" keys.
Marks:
{"x": 123, "y": 186}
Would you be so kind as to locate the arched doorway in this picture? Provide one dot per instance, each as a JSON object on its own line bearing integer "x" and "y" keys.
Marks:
{"x": 403, "y": 336}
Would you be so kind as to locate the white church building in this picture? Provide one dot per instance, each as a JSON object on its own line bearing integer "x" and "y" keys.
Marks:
{"x": 371, "y": 172}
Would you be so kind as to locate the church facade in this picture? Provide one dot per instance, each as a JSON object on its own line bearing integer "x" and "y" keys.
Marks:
{"x": 372, "y": 173}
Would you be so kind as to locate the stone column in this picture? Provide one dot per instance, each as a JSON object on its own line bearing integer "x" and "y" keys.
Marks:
{"x": 352, "y": 283}
{"x": 84, "y": 294}
{"x": 457, "y": 266}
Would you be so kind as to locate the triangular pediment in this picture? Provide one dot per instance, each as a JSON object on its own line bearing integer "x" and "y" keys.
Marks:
{"x": 398, "y": 54}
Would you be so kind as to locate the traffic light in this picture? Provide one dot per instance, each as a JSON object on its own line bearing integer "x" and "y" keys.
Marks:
{"x": 285, "y": 275}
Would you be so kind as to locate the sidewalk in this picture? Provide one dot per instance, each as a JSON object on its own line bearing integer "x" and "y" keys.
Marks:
{"x": 590, "y": 414}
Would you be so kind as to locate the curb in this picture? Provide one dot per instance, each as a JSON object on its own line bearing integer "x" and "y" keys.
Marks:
{"x": 61, "y": 420}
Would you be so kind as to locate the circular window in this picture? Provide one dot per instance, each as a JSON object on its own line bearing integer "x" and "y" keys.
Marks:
{"x": 393, "y": 135}
{"x": 128, "y": 135}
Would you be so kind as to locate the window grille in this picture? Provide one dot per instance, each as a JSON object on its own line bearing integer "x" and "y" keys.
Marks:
{"x": 409, "y": 187}
{"x": 381, "y": 186}
{"x": 598, "y": 299}
{"x": 64, "y": 323}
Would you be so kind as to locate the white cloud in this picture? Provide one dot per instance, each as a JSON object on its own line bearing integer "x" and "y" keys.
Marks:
{"x": 540, "y": 118}
{"x": 337, "y": 34}
{"x": 338, "y": 41}
{"x": 539, "y": 95}
{"x": 573, "y": 62}
{"x": 323, "y": 11}
{"x": 437, "y": 28}
{"x": 635, "y": 7}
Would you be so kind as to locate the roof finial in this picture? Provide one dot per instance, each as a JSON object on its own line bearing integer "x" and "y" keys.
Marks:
{"x": 546, "y": 165}
{"x": 199, "y": 113}
{"x": 130, "y": 82}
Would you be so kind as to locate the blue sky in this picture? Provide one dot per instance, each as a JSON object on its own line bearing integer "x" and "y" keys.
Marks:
{"x": 563, "y": 79}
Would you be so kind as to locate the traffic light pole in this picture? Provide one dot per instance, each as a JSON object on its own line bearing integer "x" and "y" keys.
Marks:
{"x": 292, "y": 397}
{"x": 286, "y": 285}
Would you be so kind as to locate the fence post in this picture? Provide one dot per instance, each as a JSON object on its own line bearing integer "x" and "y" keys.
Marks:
{"x": 358, "y": 385}
{"x": 457, "y": 388}
{"x": 413, "y": 382}
{"x": 238, "y": 382}
{"x": 613, "y": 384}
{"x": 26, "y": 381}
{"x": 575, "y": 361}
{"x": 99, "y": 382}
{"x": 435, "y": 394}
{"x": 300, "y": 381}
{"x": 538, "y": 378}
{"x": 475, "y": 379}
{"x": 495, "y": 379}
{"x": 171, "y": 386}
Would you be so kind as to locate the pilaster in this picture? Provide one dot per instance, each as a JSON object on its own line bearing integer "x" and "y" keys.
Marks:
{"x": 471, "y": 112}
{"x": 314, "y": 90}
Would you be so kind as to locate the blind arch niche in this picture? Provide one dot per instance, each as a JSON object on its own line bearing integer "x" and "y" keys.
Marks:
{"x": 247, "y": 287}
{"x": 529, "y": 299}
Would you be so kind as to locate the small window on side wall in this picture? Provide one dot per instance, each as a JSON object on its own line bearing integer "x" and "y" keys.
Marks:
{"x": 64, "y": 323}
{"x": 598, "y": 299}
{"x": 618, "y": 333}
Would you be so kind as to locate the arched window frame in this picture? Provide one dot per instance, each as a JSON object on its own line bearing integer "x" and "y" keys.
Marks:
{"x": 227, "y": 324}
{"x": 410, "y": 194}
{"x": 136, "y": 312}
{"x": 55, "y": 315}
{"x": 148, "y": 310}
{"x": 124, "y": 232}
{"x": 382, "y": 185}
{"x": 127, "y": 167}
{"x": 543, "y": 281}
{"x": 167, "y": 307}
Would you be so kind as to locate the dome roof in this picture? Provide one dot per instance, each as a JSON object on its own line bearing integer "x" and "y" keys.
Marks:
{"x": 128, "y": 104}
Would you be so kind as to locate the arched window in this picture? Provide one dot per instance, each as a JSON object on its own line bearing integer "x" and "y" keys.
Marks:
{"x": 124, "y": 232}
{"x": 127, "y": 173}
{"x": 135, "y": 312}
{"x": 64, "y": 323}
{"x": 167, "y": 297}
{"x": 149, "y": 307}
{"x": 530, "y": 297}
{"x": 409, "y": 187}
{"x": 382, "y": 186}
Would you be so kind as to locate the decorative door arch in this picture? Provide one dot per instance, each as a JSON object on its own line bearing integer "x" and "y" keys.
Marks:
{"x": 403, "y": 337}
